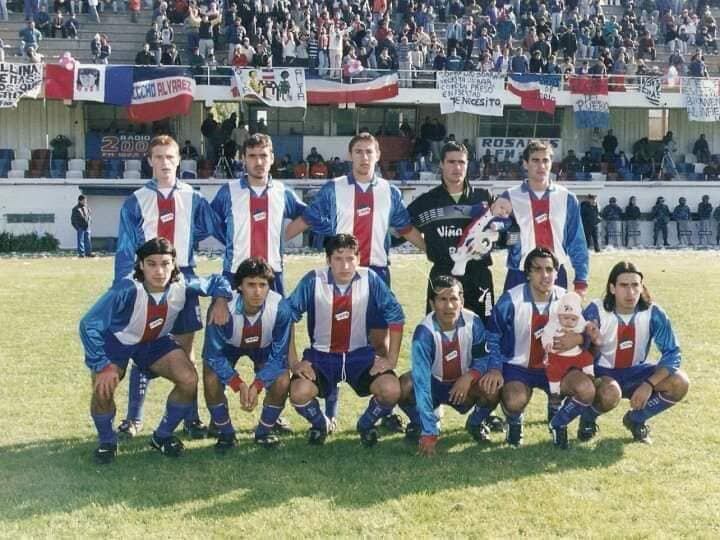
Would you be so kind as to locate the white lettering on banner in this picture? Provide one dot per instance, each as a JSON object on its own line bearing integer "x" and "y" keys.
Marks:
{"x": 702, "y": 99}
{"x": 511, "y": 147}
{"x": 651, "y": 88}
{"x": 275, "y": 87}
{"x": 471, "y": 91}
{"x": 160, "y": 89}
{"x": 18, "y": 80}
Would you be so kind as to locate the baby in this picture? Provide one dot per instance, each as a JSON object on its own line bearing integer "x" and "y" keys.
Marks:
{"x": 565, "y": 317}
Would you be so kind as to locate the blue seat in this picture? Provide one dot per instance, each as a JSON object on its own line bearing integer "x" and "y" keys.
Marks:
{"x": 405, "y": 170}
{"x": 4, "y": 167}
{"x": 58, "y": 168}
{"x": 113, "y": 168}
{"x": 7, "y": 153}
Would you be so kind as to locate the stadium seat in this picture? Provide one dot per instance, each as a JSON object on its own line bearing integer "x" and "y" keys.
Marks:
{"x": 205, "y": 168}
{"x": 39, "y": 168}
{"x": 93, "y": 168}
{"x": 188, "y": 169}
{"x": 40, "y": 154}
{"x": 4, "y": 167}
{"x": 7, "y": 153}
{"x": 74, "y": 175}
{"x": 24, "y": 153}
{"x": 690, "y": 158}
{"x": 135, "y": 175}
{"x": 699, "y": 168}
{"x": 19, "y": 165}
{"x": 76, "y": 165}
{"x": 112, "y": 168}
{"x": 16, "y": 174}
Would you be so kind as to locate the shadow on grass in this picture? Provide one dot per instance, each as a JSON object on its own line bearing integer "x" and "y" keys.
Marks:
{"x": 54, "y": 476}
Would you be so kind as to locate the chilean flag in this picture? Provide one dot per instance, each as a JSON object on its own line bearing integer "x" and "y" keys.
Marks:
{"x": 589, "y": 95}
{"x": 322, "y": 92}
{"x": 537, "y": 92}
{"x": 159, "y": 93}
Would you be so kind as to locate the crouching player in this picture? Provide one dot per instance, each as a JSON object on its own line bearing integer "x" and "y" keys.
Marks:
{"x": 627, "y": 320}
{"x": 449, "y": 365}
{"x": 259, "y": 328}
{"x": 133, "y": 320}
{"x": 343, "y": 302}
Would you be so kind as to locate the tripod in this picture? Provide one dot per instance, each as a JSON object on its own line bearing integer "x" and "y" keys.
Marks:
{"x": 223, "y": 169}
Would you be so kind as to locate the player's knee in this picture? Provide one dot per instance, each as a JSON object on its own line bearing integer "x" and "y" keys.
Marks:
{"x": 406, "y": 388}
{"x": 387, "y": 389}
{"x": 212, "y": 386}
{"x": 302, "y": 391}
{"x": 679, "y": 384}
{"x": 514, "y": 398}
{"x": 607, "y": 396}
{"x": 585, "y": 390}
{"x": 281, "y": 386}
{"x": 187, "y": 379}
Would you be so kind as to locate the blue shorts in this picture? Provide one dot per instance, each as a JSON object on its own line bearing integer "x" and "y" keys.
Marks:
{"x": 628, "y": 378}
{"x": 516, "y": 277}
{"x": 189, "y": 320}
{"x": 143, "y": 355}
{"x": 278, "y": 286}
{"x": 533, "y": 378}
{"x": 440, "y": 392}
{"x": 333, "y": 368}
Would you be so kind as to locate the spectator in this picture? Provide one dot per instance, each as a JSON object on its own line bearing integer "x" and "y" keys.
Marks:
{"x": 300, "y": 170}
{"x": 167, "y": 35}
{"x": 590, "y": 216}
{"x": 209, "y": 128}
{"x": 134, "y": 9}
{"x": 42, "y": 21}
{"x": 188, "y": 151}
{"x": 519, "y": 62}
{"x": 704, "y": 213}
{"x": 60, "y": 145}
{"x": 33, "y": 56}
{"x": 569, "y": 166}
{"x": 205, "y": 34}
{"x": 318, "y": 170}
{"x": 71, "y": 28}
{"x": 80, "y": 220}
{"x": 192, "y": 25}
{"x": 314, "y": 157}
{"x": 29, "y": 37}
{"x": 283, "y": 168}
{"x": 152, "y": 39}
{"x": 3, "y": 16}
{"x": 145, "y": 57}
{"x": 104, "y": 51}
{"x": 234, "y": 36}
{"x": 631, "y": 216}
{"x": 646, "y": 47}
{"x": 95, "y": 48}
{"x": 609, "y": 144}
{"x": 712, "y": 171}
{"x": 612, "y": 215}
{"x": 701, "y": 150}
{"x": 239, "y": 135}
{"x": 93, "y": 10}
{"x": 589, "y": 164}
{"x": 660, "y": 214}
{"x": 682, "y": 216}
{"x": 171, "y": 57}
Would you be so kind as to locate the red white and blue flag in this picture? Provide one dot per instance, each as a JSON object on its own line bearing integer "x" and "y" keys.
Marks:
{"x": 159, "y": 93}
{"x": 537, "y": 92}
{"x": 323, "y": 92}
{"x": 590, "y": 101}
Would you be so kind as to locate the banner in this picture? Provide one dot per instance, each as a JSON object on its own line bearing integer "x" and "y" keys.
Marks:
{"x": 537, "y": 92}
{"x": 590, "y": 101}
{"x": 702, "y": 99}
{"x": 159, "y": 93}
{"x": 324, "y": 92}
{"x": 100, "y": 145}
{"x": 651, "y": 88}
{"x": 19, "y": 80}
{"x": 89, "y": 82}
{"x": 472, "y": 92}
{"x": 274, "y": 87}
{"x": 511, "y": 147}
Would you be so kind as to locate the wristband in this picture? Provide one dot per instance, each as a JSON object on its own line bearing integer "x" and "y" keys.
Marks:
{"x": 235, "y": 382}
{"x": 580, "y": 286}
{"x": 651, "y": 384}
{"x": 258, "y": 385}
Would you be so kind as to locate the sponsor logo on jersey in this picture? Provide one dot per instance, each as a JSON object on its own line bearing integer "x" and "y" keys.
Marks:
{"x": 448, "y": 231}
{"x": 627, "y": 344}
{"x": 252, "y": 339}
{"x": 452, "y": 355}
{"x": 541, "y": 218}
{"x": 537, "y": 334}
{"x": 155, "y": 323}
{"x": 364, "y": 211}
{"x": 260, "y": 216}
{"x": 341, "y": 316}
{"x": 167, "y": 217}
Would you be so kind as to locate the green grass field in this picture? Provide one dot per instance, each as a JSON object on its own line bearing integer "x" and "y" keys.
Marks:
{"x": 609, "y": 488}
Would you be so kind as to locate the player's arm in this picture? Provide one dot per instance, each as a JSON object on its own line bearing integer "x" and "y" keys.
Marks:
{"x": 575, "y": 245}
{"x": 220, "y": 205}
{"x": 592, "y": 327}
{"x": 320, "y": 214}
{"x": 422, "y": 353}
{"x": 666, "y": 342}
{"x": 500, "y": 332}
{"x": 486, "y": 373}
{"x": 390, "y": 311}
{"x": 206, "y": 222}
{"x": 400, "y": 220}
{"x": 216, "y": 286}
{"x": 128, "y": 239}
{"x": 294, "y": 209}
{"x": 277, "y": 361}
{"x": 215, "y": 356}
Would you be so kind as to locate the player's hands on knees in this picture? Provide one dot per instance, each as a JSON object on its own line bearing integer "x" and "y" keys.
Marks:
{"x": 460, "y": 390}
{"x": 426, "y": 445}
{"x": 304, "y": 370}
{"x": 566, "y": 341}
{"x": 381, "y": 365}
{"x": 491, "y": 382}
{"x": 640, "y": 396}
{"x": 106, "y": 381}
{"x": 219, "y": 312}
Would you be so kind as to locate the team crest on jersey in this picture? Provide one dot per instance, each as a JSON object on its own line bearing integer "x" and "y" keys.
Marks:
{"x": 342, "y": 315}
{"x": 169, "y": 216}
{"x": 627, "y": 344}
{"x": 260, "y": 216}
{"x": 364, "y": 211}
{"x": 155, "y": 323}
{"x": 452, "y": 355}
{"x": 541, "y": 218}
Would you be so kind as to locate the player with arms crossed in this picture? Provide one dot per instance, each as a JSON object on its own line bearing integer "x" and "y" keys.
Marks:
{"x": 548, "y": 216}
{"x": 450, "y": 365}
{"x": 627, "y": 320}
{"x": 514, "y": 338}
{"x": 259, "y": 328}
{"x": 167, "y": 208}
{"x": 342, "y": 300}
{"x": 133, "y": 320}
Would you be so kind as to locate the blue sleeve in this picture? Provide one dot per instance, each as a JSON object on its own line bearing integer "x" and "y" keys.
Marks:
{"x": 422, "y": 354}
{"x": 221, "y": 207}
{"x": 97, "y": 321}
{"x": 321, "y": 214}
{"x": 214, "y": 351}
{"x": 665, "y": 340}
{"x": 216, "y": 285}
{"x": 205, "y": 220}
{"x": 500, "y": 332}
{"x": 128, "y": 240}
{"x": 277, "y": 360}
{"x": 388, "y": 308}
{"x": 591, "y": 314}
{"x": 301, "y": 298}
{"x": 480, "y": 357}
{"x": 575, "y": 244}
{"x": 294, "y": 207}
{"x": 399, "y": 216}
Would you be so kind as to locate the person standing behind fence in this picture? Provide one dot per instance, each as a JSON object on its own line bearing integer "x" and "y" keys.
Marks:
{"x": 612, "y": 215}
{"x": 632, "y": 223}
{"x": 704, "y": 211}
{"x": 660, "y": 214}
{"x": 681, "y": 215}
{"x": 80, "y": 220}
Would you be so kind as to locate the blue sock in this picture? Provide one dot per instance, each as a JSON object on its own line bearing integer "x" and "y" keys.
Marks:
{"x": 516, "y": 419}
{"x": 174, "y": 414}
{"x": 311, "y": 412}
{"x": 136, "y": 393}
{"x": 571, "y": 409}
{"x": 193, "y": 413}
{"x": 268, "y": 417}
{"x": 332, "y": 403}
{"x": 221, "y": 418}
{"x": 104, "y": 426}
{"x": 478, "y": 415}
{"x": 654, "y": 406}
{"x": 412, "y": 413}
{"x": 590, "y": 414}
{"x": 373, "y": 413}
{"x": 552, "y": 410}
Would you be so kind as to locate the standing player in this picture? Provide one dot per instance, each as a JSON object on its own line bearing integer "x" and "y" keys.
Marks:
{"x": 253, "y": 210}
{"x": 164, "y": 208}
{"x": 259, "y": 328}
{"x": 450, "y": 365}
{"x": 341, "y": 301}
{"x": 442, "y": 214}
{"x": 548, "y": 216}
{"x": 627, "y": 321}
{"x": 514, "y": 338}
{"x": 133, "y": 320}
